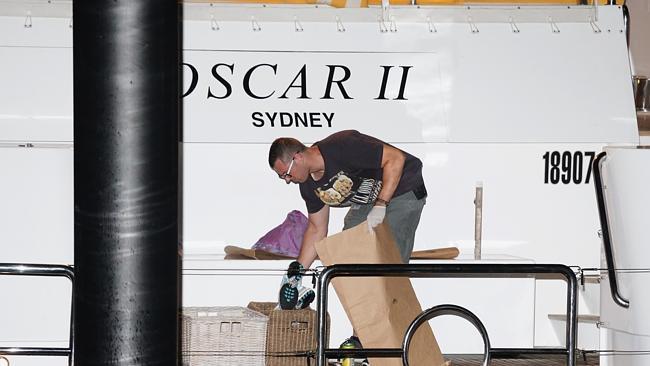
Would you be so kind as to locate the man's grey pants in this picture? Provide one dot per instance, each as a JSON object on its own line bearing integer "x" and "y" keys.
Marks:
{"x": 403, "y": 216}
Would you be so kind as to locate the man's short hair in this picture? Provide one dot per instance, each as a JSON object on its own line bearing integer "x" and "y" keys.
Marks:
{"x": 284, "y": 148}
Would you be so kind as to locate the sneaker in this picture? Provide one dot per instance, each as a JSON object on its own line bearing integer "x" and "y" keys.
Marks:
{"x": 353, "y": 343}
{"x": 305, "y": 297}
{"x": 293, "y": 295}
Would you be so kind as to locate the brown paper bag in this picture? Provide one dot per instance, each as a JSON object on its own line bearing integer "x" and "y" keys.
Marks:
{"x": 379, "y": 308}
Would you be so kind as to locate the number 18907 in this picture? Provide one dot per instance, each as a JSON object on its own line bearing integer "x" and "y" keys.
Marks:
{"x": 568, "y": 167}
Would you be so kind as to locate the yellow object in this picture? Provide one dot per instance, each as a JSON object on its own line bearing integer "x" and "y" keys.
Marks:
{"x": 338, "y": 3}
{"x": 490, "y": 2}
{"x": 365, "y": 3}
{"x": 333, "y": 3}
{"x": 348, "y": 361}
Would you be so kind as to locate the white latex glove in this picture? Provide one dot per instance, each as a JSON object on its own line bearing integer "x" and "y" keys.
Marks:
{"x": 376, "y": 216}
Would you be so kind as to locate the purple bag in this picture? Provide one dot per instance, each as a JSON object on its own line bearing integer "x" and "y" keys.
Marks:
{"x": 286, "y": 238}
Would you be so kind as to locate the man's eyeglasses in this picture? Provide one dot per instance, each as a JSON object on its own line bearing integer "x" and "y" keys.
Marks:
{"x": 288, "y": 173}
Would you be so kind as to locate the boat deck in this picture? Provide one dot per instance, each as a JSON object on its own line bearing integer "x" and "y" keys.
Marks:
{"x": 476, "y": 360}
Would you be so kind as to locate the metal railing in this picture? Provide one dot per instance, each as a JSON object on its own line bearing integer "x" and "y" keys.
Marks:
{"x": 446, "y": 309}
{"x": 45, "y": 270}
{"x": 607, "y": 238}
{"x": 446, "y": 271}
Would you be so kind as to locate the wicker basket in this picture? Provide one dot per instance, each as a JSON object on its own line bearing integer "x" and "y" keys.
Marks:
{"x": 290, "y": 335}
{"x": 186, "y": 337}
{"x": 223, "y": 336}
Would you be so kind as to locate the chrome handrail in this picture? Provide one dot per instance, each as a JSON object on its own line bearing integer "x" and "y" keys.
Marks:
{"x": 47, "y": 270}
{"x": 607, "y": 238}
{"x": 446, "y": 309}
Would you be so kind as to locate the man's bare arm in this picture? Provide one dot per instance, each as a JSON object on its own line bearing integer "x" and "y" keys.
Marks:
{"x": 316, "y": 230}
{"x": 392, "y": 163}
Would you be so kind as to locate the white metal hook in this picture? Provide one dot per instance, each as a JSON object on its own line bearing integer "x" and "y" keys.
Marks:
{"x": 385, "y": 9}
{"x": 255, "y": 24}
{"x": 432, "y": 27}
{"x": 297, "y": 25}
{"x": 382, "y": 24}
{"x": 472, "y": 26}
{"x": 70, "y": 23}
{"x": 5, "y": 361}
{"x": 339, "y": 25}
{"x": 513, "y": 26}
{"x": 393, "y": 25}
{"x": 28, "y": 20}
{"x": 554, "y": 26}
{"x": 385, "y": 5}
{"x": 213, "y": 24}
{"x": 594, "y": 26}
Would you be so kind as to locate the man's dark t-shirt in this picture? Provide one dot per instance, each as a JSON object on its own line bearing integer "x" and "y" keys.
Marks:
{"x": 353, "y": 172}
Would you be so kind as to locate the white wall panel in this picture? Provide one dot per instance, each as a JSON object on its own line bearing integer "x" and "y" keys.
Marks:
{"x": 36, "y": 94}
{"x": 497, "y": 85}
{"x": 36, "y": 191}
{"x": 493, "y": 86}
{"x": 35, "y": 311}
